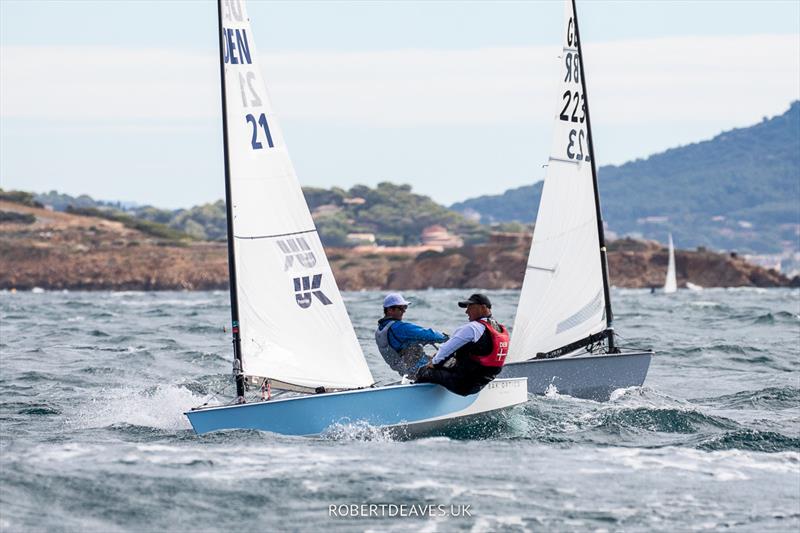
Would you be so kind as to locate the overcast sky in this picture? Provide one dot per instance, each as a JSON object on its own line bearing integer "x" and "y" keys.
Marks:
{"x": 120, "y": 99}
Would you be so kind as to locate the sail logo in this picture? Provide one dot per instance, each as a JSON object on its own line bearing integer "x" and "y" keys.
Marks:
{"x": 298, "y": 255}
{"x": 307, "y": 286}
{"x": 235, "y": 48}
{"x": 297, "y": 250}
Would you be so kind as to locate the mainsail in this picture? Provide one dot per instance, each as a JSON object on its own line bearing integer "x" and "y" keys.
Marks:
{"x": 564, "y": 296}
{"x": 671, "y": 283}
{"x": 292, "y": 322}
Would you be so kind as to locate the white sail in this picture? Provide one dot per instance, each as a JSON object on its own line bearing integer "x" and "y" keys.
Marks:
{"x": 671, "y": 284}
{"x": 562, "y": 298}
{"x": 293, "y": 323}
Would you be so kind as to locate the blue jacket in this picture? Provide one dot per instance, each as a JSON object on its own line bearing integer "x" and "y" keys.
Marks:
{"x": 402, "y": 334}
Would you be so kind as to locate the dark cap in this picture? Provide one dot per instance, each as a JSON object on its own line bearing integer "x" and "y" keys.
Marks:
{"x": 480, "y": 299}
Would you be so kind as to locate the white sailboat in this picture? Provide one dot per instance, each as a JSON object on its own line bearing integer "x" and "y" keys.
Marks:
{"x": 563, "y": 334}
{"x": 671, "y": 282}
{"x": 290, "y": 328}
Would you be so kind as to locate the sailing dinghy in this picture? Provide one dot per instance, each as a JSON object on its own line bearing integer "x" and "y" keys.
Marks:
{"x": 671, "y": 282}
{"x": 563, "y": 336}
{"x": 290, "y": 328}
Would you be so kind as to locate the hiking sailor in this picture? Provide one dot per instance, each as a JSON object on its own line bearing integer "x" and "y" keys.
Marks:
{"x": 475, "y": 353}
{"x": 401, "y": 343}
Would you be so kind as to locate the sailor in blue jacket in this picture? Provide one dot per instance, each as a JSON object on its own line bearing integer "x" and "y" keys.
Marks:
{"x": 401, "y": 343}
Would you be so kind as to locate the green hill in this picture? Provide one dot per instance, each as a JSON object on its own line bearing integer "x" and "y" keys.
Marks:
{"x": 393, "y": 213}
{"x": 739, "y": 190}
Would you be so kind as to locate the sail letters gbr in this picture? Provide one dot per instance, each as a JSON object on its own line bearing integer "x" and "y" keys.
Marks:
{"x": 574, "y": 100}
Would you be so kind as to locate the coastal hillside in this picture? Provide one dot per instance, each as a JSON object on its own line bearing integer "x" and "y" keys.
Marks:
{"x": 87, "y": 249}
{"x": 386, "y": 215}
{"x": 738, "y": 191}
{"x": 58, "y": 250}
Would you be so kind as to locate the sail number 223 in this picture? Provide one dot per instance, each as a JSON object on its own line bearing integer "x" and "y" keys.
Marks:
{"x": 574, "y": 110}
{"x": 577, "y": 137}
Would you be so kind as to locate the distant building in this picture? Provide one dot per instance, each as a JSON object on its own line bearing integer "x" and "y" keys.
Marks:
{"x": 356, "y": 200}
{"x": 439, "y": 236}
{"x": 361, "y": 238}
{"x": 509, "y": 239}
{"x": 326, "y": 210}
{"x": 409, "y": 251}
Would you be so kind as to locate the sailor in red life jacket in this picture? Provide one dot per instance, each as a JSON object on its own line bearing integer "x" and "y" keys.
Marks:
{"x": 475, "y": 353}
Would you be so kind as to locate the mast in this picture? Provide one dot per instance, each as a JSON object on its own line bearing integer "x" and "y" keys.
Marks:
{"x": 237, "y": 340}
{"x": 600, "y": 232}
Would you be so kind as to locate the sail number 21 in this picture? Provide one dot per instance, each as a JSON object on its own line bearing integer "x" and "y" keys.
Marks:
{"x": 247, "y": 84}
{"x": 262, "y": 121}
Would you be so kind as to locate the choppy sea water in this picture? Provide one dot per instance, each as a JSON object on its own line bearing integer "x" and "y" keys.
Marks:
{"x": 92, "y": 436}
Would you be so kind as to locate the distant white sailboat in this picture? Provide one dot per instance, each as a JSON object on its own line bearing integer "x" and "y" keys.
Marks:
{"x": 290, "y": 327}
{"x": 563, "y": 334}
{"x": 671, "y": 283}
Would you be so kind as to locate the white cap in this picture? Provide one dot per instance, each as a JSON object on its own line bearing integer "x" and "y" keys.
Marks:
{"x": 394, "y": 298}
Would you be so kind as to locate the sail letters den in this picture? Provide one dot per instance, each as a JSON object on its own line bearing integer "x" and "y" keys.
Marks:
{"x": 235, "y": 49}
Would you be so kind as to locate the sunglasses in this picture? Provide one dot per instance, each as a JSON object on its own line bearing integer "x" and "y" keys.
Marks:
{"x": 403, "y": 307}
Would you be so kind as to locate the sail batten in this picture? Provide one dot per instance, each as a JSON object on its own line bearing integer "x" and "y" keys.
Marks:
{"x": 292, "y": 322}
{"x": 301, "y": 232}
{"x": 545, "y": 269}
{"x": 559, "y": 160}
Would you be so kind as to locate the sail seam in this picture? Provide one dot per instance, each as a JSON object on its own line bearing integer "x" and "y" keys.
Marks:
{"x": 254, "y": 237}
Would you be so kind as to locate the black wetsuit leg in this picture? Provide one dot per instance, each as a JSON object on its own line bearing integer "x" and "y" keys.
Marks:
{"x": 461, "y": 379}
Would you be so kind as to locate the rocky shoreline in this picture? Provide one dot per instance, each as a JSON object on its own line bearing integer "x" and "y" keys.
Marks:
{"x": 65, "y": 251}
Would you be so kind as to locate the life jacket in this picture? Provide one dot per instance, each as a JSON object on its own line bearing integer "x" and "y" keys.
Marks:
{"x": 406, "y": 360}
{"x": 390, "y": 355}
{"x": 491, "y": 349}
